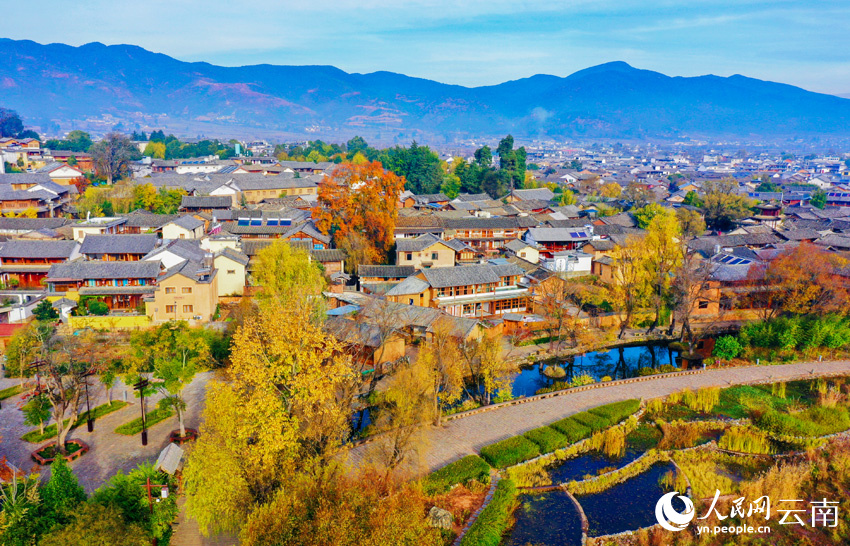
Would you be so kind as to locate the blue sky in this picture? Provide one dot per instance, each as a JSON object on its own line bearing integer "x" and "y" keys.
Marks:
{"x": 472, "y": 42}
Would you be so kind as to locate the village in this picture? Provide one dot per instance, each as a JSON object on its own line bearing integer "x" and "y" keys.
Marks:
{"x": 174, "y": 285}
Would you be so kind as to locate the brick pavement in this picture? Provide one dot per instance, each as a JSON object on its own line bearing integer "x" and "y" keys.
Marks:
{"x": 465, "y": 436}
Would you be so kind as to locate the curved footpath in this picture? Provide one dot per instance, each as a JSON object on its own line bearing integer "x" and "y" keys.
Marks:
{"x": 467, "y": 435}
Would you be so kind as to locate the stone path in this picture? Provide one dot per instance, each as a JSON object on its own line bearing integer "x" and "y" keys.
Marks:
{"x": 110, "y": 452}
{"x": 467, "y": 435}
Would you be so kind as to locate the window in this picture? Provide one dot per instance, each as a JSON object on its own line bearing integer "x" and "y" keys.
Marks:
{"x": 188, "y": 308}
{"x": 410, "y": 301}
{"x": 182, "y": 236}
{"x": 703, "y": 304}
{"x": 169, "y": 290}
{"x": 231, "y": 272}
{"x": 187, "y": 290}
{"x": 170, "y": 308}
{"x": 409, "y": 256}
{"x": 435, "y": 256}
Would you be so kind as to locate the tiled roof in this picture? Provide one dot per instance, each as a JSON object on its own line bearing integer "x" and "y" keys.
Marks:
{"x": 21, "y": 248}
{"x": 542, "y": 194}
{"x": 386, "y": 271}
{"x": 465, "y": 275}
{"x": 118, "y": 244}
{"x": 82, "y": 270}
{"x": 188, "y": 222}
{"x": 206, "y": 201}
{"x": 418, "y": 244}
{"x": 558, "y": 234}
{"x": 31, "y": 224}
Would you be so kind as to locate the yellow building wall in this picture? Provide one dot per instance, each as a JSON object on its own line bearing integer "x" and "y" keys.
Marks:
{"x": 203, "y": 299}
{"x": 171, "y": 231}
{"x": 445, "y": 257}
{"x": 229, "y": 284}
{"x": 255, "y": 196}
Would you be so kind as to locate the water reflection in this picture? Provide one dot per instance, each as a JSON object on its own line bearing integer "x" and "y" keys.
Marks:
{"x": 616, "y": 363}
{"x": 545, "y": 519}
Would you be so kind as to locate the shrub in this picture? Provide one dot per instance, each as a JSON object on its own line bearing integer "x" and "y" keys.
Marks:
{"x": 510, "y": 452}
{"x": 704, "y": 400}
{"x": 572, "y": 429}
{"x": 614, "y": 442}
{"x": 494, "y": 519}
{"x": 745, "y": 440}
{"x": 727, "y": 347}
{"x": 547, "y": 438}
{"x": 470, "y": 468}
{"x": 617, "y": 411}
{"x": 10, "y": 392}
{"x": 594, "y": 422}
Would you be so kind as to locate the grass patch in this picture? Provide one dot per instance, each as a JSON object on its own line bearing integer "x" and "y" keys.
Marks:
{"x": 494, "y": 519}
{"x": 510, "y": 452}
{"x": 592, "y": 421}
{"x": 50, "y": 452}
{"x": 572, "y": 429}
{"x": 645, "y": 436}
{"x": 10, "y": 392}
{"x": 34, "y": 437}
{"x": 617, "y": 411}
{"x": 815, "y": 421}
{"x": 470, "y": 468}
{"x": 547, "y": 438}
{"x": 153, "y": 417}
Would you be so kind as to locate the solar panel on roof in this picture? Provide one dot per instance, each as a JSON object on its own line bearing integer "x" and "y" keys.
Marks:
{"x": 286, "y": 221}
{"x": 242, "y": 222}
{"x": 256, "y": 221}
{"x": 272, "y": 222}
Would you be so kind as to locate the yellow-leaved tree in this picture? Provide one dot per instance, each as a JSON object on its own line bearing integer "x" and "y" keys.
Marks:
{"x": 280, "y": 409}
{"x": 662, "y": 257}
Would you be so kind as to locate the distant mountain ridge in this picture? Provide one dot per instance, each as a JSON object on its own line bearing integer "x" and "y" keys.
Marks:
{"x": 613, "y": 100}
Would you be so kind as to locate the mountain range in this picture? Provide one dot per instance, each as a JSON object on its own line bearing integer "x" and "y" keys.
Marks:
{"x": 79, "y": 87}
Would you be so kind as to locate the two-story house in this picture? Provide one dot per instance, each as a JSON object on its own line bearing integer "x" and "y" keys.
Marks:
{"x": 121, "y": 285}
{"x": 553, "y": 240}
{"x": 24, "y": 264}
{"x": 118, "y": 248}
{"x": 465, "y": 291}
{"x": 487, "y": 234}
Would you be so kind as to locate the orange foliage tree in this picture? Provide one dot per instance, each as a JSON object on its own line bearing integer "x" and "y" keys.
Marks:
{"x": 809, "y": 280}
{"x": 361, "y": 199}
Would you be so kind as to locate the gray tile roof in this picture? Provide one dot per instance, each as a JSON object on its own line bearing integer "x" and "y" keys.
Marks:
{"x": 386, "y": 271}
{"x": 31, "y": 224}
{"x": 418, "y": 244}
{"x": 409, "y": 286}
{"x": 543, "y": 194}
{"x": 541, "y": 235}
{"x": 21, "y": 248}
{"x": 206, "y": 201}
{"x": 147, "y": 220}
{"x": 188, "y": 222}
{"x": 465, "y": 275}
{"x": 188, "y": 249}
{"x": 118, "y": 244}
{"x": 487, "y": 223}
{"x": 234, "y": 255}
{"x": 81, "y": 270}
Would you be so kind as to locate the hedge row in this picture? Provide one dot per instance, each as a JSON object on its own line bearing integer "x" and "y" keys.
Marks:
{"x": 471, "y": 467}
{"x": 152, "y": 417}
{"x": 813, "y": 422}
{"x": 617, "y": 411}
{"x": 557, "y": 435}
{"x": 548, "y": 439}
{"x": 10, "y": 392}
{"x": 510, "y": 452}
{"x": 494, "y": 519}
{"x": 50, "y": 431}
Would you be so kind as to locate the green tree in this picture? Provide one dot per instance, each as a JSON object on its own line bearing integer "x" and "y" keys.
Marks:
{"x": 37, "y": 412}
{"x": 419, "y": 166}
{"x": 20, "y": 510}
{"x": 44, "y": 311}
{"x": 356, "y": 144}
{"x": 512, "y": 162}
{"x": 692, "y": 199}
{"x": 95, "y": 524}
{"x": 10, "y": 123}
{"x": 112, "y": 156}
{"x": 723, "y": 205}
{"x": 727, "y": 347}
{"x": 645, "y": 215}
{"x": 818, "y": 199}
{"x": 62, "y": 494}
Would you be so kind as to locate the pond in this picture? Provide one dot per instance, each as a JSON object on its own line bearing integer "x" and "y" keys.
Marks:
{"x": 616, "y": 363}
{"x": 590, "y": 464}
{"x": 545, "y": 519}
{"x": 627, "y": 506}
